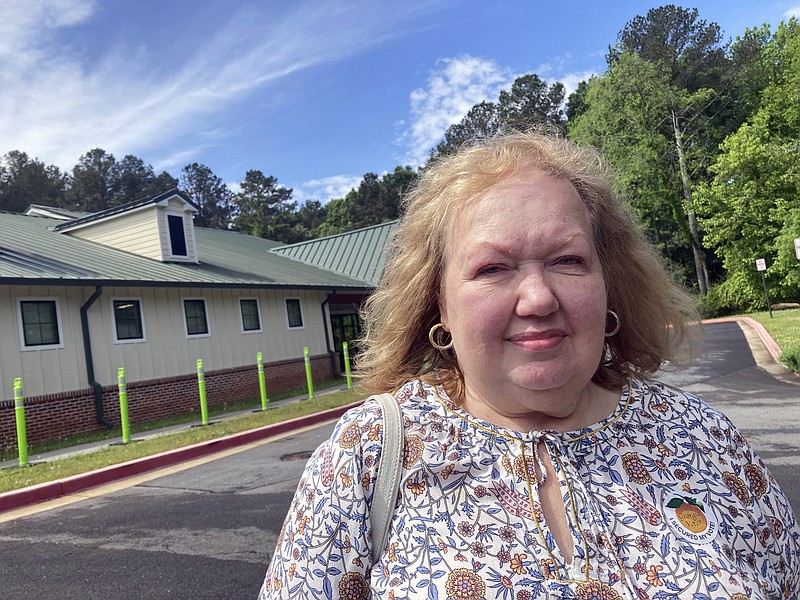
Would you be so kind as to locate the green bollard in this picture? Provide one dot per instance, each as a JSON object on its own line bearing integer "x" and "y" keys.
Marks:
{"x": 309, "y": 379}
{"x": 201, "y": 385}
{"x": 123, "y": 406}
{"x": 262, "y": 383}
{"x": 347, "y": 365}
{"x": 19, "y": 410}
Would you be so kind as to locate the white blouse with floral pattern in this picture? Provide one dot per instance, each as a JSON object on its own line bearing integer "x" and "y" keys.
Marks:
{"x": 664, "y": 498}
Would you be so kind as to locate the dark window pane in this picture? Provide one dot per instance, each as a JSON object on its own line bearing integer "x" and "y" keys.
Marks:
{"x": 128, "y": 320}
{"x": 177, "y": 239}
{"x": 294, "y": 313}
{"x": 196, "y": 323}
{"x": 250, "y": 320}
{"x": 39, "y": 322}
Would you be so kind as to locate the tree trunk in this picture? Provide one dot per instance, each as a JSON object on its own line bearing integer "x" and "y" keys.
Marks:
{"x": 697, "y": 249}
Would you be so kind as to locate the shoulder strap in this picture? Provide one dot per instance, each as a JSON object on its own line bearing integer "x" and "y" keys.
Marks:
{"x": 387, "y": 480}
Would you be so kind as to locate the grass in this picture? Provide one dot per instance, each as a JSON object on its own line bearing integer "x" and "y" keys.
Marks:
{"x": 20, "y": 477}
{"x": 784, "y": 327}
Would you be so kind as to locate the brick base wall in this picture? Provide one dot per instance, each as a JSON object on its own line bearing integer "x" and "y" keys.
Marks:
{"x": 65, "y": 414}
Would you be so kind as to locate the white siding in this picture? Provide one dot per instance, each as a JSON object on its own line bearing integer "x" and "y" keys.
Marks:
{"x": 46, "y": 370}
{"x": 167, "y": 352}
{"x": 176, "y": 206}
{"x": 136, "y": 232}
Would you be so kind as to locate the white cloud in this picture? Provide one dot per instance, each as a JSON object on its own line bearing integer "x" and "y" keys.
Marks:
{"x": 571, "y": 81}
{"x": 60, "y": 99}
{"x": 455, "y": 86}
{"x": 792, "y": 12}
{"x": 327, "y": 188}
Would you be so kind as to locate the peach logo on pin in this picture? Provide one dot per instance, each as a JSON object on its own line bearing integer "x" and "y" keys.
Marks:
{"x": 690, "y": 518}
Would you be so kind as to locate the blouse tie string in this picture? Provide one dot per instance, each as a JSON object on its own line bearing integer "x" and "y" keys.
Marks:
{"x": 540, "y": 474}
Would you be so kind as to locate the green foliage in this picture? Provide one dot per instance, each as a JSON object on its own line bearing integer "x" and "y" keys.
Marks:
{"x": 212, "y": 197}
{"x": 529, "y": 103}
{"x": 736, "y": 295}
{"x": 25, "y": 181}
{"x": 92, "y": 187}
{"x": 264, "y": 208}
{"x": 791, "y": 358}
{"x": 749, "y": 209}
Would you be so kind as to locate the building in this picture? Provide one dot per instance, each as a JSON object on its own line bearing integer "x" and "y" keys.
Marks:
{"x": 139, "y": 286}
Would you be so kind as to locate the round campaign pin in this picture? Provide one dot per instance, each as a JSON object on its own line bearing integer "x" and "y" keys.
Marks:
{"x": 690, "y": 517}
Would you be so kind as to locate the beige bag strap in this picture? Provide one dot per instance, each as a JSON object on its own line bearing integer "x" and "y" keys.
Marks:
{"x": 390, "y": 468}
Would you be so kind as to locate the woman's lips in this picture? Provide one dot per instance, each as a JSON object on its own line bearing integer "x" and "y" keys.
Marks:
{"x": 538, "y": 340}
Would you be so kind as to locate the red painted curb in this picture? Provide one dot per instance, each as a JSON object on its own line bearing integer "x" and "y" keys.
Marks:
{"x": 70, "y": 485}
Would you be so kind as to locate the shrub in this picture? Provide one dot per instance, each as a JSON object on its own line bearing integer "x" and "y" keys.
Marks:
{"x": 731, "y": 297}
{"x": 791, "y": 358}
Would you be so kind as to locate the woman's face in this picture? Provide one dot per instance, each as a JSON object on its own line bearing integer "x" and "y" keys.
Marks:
{"x": 524, "y": 298}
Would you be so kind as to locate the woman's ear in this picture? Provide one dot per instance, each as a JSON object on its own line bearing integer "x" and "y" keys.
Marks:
{"x": 442, "y": 312}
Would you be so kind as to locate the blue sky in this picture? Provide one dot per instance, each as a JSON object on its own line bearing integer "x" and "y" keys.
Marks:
{"x": 314, "y": 92}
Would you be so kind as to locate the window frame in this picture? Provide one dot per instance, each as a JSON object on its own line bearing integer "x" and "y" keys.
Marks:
{"x": 21, "y": 325}
{"x": 300, "y": 307}
{"x": 186, "y": 320}
{"x": 258, "y": 315}
{"x": 117, "y": 340}
{"x": 182, "y": 217}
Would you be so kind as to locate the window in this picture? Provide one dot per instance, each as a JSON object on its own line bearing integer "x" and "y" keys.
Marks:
{"x": 177, "y": 236}
{"x": 39, "y": 324}
{"x": 195, "y": 312}
{"x": 128, "y": 323}
{"x": 251, "y": 323}
{"x": 294, "y": 313}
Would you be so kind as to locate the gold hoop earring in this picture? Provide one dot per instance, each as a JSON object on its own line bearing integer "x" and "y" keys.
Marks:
{"x": 436, "y": 344}
{"x": 616, "y": 327}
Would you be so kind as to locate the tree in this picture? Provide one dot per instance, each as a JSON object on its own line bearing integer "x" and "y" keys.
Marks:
{"x": 264, "y": 208}
{"x": 750, "y": 210}
{"x": 161, "y": 183}
{"x": 337, "y": 218}
{"x": 25, "y": 181}
{"x": 378, "y": 200}
{"x": 92, "y": 187}
{"x": 209, "y": 193}
{"x": 130, "y": 179}
{"x": 576, "y": 103}
{"x": 675, "y": 66}
{"x": 531, "y": 103}
{"x": 623, "y": 111}
{"x": 480, "y": 122}
{"x": 688, "y": 47}
{"x": 308, "y": 219}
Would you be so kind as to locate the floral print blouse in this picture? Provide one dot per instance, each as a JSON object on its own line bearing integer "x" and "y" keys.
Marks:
{"x": 664, "y": 500}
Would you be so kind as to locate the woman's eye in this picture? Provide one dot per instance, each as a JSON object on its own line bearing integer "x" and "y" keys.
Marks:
{"x": 570, "y": 260}
{"x": 489, "y": 270}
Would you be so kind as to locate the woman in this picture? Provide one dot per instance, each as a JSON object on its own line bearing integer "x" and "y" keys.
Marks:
{"x": 519, "y": 317}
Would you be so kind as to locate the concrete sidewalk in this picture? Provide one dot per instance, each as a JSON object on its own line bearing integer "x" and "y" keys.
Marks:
{"x": 70, "y": 485}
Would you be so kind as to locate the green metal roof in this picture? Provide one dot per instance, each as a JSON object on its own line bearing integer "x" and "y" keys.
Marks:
{"x": 360, "y": 254}
{"x": 32, "y": 254}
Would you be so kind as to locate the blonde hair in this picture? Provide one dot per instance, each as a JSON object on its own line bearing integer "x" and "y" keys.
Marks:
{"x": 652, "y": 310}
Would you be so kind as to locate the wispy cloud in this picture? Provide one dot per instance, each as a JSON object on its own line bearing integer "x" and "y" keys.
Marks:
{"x": 326, "y": 188}
{"x": 453, "y": 87}
{"x": 792, "y": 12}
{"x": 57, "y": 102}
{"x": 571, "y": 80}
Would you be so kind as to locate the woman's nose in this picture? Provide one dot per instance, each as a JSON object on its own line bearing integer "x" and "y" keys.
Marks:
{"x": 535, "y": 296}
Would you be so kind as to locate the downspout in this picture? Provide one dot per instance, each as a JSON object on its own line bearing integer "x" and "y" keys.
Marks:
{"x": 331, "y": 352}
{"x": 87, "y": 352}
